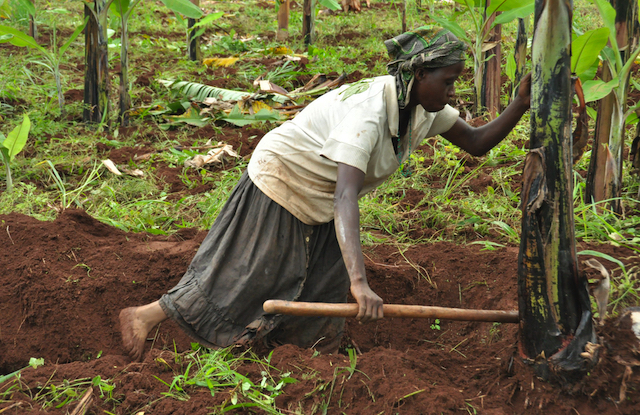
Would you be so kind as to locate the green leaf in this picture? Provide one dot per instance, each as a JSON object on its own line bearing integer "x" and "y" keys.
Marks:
{"x": 73, "y": 37}
{"x": 608, "y": 14}
{"x": 26, "y": 5}
{"x": 17, "y": 138}
{"x": 454, "y": 28}
{"x": 35, "y": 363}
{"x": 184, "y": 7}
{"x": 5, "y": 378}
{"x": 590, "y": 73}
{"x": 593, "y": 114}
{"x": 236, "y": 117}
{"x": 209, "y": 18}
{"x": 586, "y": 48}
{"x": 597, "y": 89}
{"x": 611, "y": 57}
{"x": 120, "y": 7}
{"x": 355, "y": 88}
{"x": 506, "y": 5}
{"x": 472, "y": 3}
{"x": 511, "y": 67}
{"x": 20, "y": 39}
{"x": 603, "y": 256}
{"x": 510, "y": 15}
{"x": 190, "y": 117}
{"x": 330, "y": 4}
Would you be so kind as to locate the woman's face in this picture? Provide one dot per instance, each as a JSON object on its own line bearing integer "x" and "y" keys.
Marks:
{"x": 433, "y": 88}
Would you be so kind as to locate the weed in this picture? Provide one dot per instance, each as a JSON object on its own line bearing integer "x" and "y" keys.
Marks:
{"x": 435, "y": 325}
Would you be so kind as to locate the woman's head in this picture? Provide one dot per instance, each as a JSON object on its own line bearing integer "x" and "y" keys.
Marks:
{"x": 427, "y": 51}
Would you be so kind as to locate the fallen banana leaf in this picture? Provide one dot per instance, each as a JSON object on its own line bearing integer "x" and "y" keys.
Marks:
{"x": 220, "y": 62}
{"x": 214, "y": 158}
{"x": 201, "y": 91}
{"x": 111, "y": 166}
{"x": 269, "y": 87}
{"x": 280, "y": 50}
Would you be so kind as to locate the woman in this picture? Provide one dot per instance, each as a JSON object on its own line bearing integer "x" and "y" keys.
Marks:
{"x": 290, "y": 229}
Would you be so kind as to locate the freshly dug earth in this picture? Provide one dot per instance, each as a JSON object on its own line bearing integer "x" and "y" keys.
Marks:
{"x": 65, "y": 281}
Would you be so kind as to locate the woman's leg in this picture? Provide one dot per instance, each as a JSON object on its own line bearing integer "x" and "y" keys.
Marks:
{"x": 135, "y": 325}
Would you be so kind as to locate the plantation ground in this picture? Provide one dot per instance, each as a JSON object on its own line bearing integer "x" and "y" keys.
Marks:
{"x": 65, "y": 281}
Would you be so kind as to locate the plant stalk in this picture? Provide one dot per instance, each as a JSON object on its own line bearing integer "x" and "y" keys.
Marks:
{"x": 555, "y": 315}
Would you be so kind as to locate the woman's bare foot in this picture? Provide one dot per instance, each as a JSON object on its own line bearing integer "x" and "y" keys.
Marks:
{"x": 135, "y": 325}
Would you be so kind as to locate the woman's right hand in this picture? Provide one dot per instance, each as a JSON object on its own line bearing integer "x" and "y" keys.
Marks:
{"x": 369, "y": 303}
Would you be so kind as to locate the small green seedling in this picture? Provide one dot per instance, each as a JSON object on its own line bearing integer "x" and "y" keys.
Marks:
{"x": 33, "y": 362}
{"x": 11, "y": 145}
{"x": 436, "y": 325}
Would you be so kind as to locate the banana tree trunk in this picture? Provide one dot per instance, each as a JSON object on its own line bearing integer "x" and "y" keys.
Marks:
{"x": 308, "y": 8}
{"x": 492, "y": 71}
{"x": 125, "y": 98}
{"x": 96, "y": 79}
{"x": 33, "y": 28}
{"x": 627, "y": 25}
{"x": 604, "y": 178}
{"x": 283, "y": 20}
{"x": 555, "y": 314}
{"x": 193, "y": 43}
{"x": 602, "y": 161}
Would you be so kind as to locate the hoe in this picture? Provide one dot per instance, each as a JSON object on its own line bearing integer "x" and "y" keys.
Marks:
{"x": 296, "y": 308}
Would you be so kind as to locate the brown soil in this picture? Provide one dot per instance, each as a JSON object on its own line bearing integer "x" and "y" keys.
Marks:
{"x": 65, "y": 282}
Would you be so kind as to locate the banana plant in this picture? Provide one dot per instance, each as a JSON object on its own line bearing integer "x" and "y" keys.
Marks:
{"x": 122, "y": 9}
{"x": 553, "y": 298}
{"x": 96, "y": 57}
{"x": 309, "y": 10}
{"x": 11, "y": 145}
{"x": 604, "y": 179}
{"x": 515, "y": 66}
{"x": 484, "y": 19}
{"x": 50, "y": 59}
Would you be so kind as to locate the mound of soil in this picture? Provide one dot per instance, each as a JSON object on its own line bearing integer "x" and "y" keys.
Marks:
{"x": 65, "y": 281}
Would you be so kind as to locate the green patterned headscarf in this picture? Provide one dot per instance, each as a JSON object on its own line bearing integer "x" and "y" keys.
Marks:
{"x": 424, "y": 47}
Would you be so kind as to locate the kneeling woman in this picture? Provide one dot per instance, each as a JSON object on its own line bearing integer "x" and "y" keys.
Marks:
{"x": 290, "y": 229}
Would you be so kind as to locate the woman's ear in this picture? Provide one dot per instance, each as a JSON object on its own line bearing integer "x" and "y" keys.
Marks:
{"x": 421, "y": 74}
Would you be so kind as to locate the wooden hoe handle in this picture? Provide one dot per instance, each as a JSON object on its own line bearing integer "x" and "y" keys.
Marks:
{"x": 297, "y": 308}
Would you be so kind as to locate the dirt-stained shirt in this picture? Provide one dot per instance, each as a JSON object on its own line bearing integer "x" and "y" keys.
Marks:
{"x": 296, "y": 164}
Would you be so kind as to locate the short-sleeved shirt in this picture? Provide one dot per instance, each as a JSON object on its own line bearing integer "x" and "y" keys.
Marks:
{"x": 296, "y": 164}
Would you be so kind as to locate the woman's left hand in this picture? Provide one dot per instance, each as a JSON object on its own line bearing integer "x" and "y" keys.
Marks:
{"x": 524, "y": 91}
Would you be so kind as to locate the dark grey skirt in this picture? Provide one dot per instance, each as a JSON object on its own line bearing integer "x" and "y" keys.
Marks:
{"x": 255, "y": 251}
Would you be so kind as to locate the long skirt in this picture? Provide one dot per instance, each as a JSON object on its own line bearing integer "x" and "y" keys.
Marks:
{"x": 255, "y": 251}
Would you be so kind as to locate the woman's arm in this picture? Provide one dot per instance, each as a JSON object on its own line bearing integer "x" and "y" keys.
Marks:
{"x": 347, "y": 221}
{"x": 477, "y": 141}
